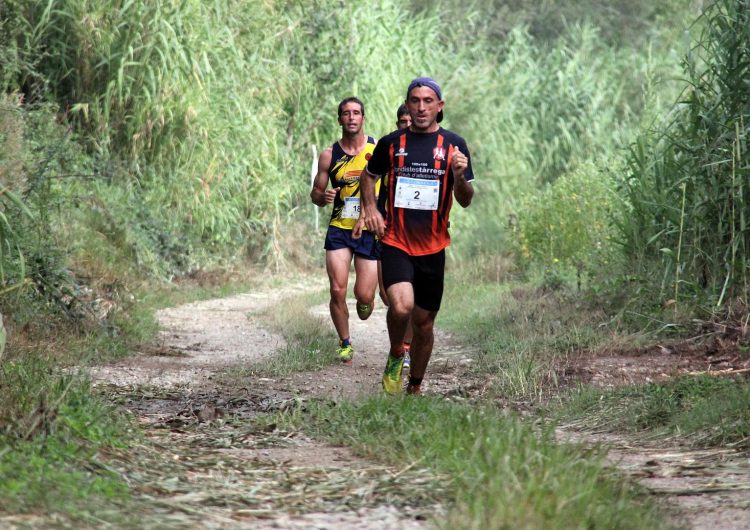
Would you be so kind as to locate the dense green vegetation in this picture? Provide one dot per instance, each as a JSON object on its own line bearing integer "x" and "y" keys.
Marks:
{"x": 195, "y": 121}
{"x": 686, "y": 236}
{"x": 51, "y": 432}
{"x": 148, "y": 141}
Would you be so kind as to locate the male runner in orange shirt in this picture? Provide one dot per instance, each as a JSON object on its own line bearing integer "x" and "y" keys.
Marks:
{"x": 422, "y": 168}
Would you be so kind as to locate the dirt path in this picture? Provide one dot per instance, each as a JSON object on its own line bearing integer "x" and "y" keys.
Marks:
{"x": 213, "y": 471}
{"x": 205, "y": 467}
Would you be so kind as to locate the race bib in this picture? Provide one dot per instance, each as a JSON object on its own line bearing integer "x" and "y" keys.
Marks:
{"x": 351, "y": 208}
{"x": 417, "y": 194}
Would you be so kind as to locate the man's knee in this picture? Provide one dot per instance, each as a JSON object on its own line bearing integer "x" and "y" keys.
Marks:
{"x": 365, "y": 292}
{"x": 423, "y": 329}
{"x": 400, "y": 307}
{"x": 338, "y": 292}
{"x": 423, "y": 322}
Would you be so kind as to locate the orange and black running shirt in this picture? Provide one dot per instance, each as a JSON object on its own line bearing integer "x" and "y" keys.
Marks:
{"x": 417, "y": 187}
{"x": 344, "y": 173}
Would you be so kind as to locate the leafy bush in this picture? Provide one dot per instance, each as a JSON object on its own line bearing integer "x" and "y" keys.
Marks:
{"x": 570, "y": 225}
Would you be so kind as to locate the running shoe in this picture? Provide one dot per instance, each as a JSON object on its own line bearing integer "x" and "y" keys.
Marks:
{"x": 413, "y": 390}
{"x": 364, "y": 310}
{"x": 392, "y": 375}
{"x": 407, "y": 356}
{"x": 345, "y": 353}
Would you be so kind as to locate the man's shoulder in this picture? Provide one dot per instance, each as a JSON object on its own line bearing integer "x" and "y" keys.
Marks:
{"x": 393, "y": 135}
{"x": 451, "y": 136}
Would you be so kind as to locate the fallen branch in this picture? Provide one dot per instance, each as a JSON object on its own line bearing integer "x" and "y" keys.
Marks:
{"x": 728, "y": 371}
{"x": 708, "y": 488}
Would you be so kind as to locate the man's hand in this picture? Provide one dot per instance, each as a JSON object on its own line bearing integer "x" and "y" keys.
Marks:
{"x": 462, "y": 189}
{"x": 374, "y": 220}
{"x": 330, "y": 194}
{"x": 357, "y": 230}
{"x": 459, "y": 163}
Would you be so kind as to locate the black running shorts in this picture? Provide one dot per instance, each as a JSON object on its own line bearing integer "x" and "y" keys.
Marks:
{"x": 425, "y": 273}
{"x": 366, "y": 246}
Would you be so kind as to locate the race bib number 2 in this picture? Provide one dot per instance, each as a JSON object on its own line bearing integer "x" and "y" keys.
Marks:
{"x": 417, "y": 194}
{"x": 351, "y": 208}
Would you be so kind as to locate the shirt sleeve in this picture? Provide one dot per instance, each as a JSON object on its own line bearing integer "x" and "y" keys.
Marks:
{"x": 379, "y": 162}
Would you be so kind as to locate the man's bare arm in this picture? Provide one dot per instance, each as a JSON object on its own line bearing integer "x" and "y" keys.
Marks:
{"x": 462, "y": 188}
{"x": 319, "y": 194}
{"x": 372, "y": 218}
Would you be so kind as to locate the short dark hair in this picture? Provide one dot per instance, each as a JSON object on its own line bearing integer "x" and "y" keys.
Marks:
{"x": 351, "y": 99}
{"x": 401, "y": 111}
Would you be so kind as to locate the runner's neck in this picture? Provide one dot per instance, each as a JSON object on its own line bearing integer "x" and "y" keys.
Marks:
{"x": 435, "y": 127}
{"x": 353, "y": 145}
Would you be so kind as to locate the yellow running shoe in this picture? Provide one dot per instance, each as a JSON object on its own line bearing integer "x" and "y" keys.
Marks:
{"x": 345, "y": 353}
{"x": 365, "y": 310}
{"x": 392, "y": 383}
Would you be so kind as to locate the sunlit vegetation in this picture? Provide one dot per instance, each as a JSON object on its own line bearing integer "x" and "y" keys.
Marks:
{"x": 146, "y": 142}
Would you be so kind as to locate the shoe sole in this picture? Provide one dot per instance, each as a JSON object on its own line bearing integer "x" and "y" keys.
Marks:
{"x": 364, "y": 315}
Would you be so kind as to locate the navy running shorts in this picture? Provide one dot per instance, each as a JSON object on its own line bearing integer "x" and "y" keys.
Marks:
{"x": 425, "y": 273}
{"x": 365, "y": 247}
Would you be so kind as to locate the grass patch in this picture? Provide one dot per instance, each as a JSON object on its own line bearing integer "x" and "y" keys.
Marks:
{"x": 310, "y": 339}
{"x": 703, "y": 411}
{"x": 53, "y": 432}
{"x": 520, "y": 332}
{"x": 501, "y": 472}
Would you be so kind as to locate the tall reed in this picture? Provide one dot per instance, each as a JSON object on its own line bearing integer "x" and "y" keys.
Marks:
{"x": 687, "y": 181}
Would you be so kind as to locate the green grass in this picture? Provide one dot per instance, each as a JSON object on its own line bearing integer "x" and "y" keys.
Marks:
{"x": 310, "y": 340}
{"x": 684, "y": 235}
{"x": 500, "y": 472}
{"x": 703, "y": 411}
{"x": 54, "y": 430}
{"x": 53, "y": 436}
{"x": 519, "y": 332}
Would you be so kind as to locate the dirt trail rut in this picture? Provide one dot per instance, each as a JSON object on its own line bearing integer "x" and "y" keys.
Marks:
{"x": 205, "y": 467}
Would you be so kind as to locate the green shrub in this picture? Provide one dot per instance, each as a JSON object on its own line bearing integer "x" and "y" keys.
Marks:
{"x": 570, "y": 225}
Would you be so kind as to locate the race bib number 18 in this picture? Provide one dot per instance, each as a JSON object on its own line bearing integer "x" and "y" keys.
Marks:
{"x": 351, "y": 208}
{"x": 417, "y": 194}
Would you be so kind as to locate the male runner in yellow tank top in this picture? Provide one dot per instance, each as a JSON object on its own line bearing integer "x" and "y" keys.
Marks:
{"x": 341, "y": 165}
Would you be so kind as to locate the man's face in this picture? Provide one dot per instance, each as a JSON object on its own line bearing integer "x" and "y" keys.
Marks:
{"x": 423, "y": 105}
{"x": 404, "y": 121}
{"x": 351, "y": 119}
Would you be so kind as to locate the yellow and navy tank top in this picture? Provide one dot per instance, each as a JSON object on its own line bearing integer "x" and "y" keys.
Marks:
{"x": 344, "y": 173}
